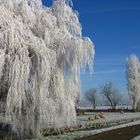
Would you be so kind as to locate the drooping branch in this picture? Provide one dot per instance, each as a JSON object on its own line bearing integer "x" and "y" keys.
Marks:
{"x": 42, "y": 52}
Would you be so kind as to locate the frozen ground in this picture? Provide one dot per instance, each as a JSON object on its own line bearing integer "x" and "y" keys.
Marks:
{"x": 136, "y": 138}
{"x": 81, "y": 134}
{"x": 108, "y": 117}
{"x": 84, "y": 120}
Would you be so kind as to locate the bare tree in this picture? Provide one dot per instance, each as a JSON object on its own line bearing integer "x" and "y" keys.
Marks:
{"x": 91, "y": 97}
{"x": 111, "y": 95}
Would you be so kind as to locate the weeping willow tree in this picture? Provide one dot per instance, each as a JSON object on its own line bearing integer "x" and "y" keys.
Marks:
{"x": 42, "y": 52}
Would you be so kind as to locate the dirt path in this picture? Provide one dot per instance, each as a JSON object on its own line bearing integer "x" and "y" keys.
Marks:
{"x": 120, "y": 134}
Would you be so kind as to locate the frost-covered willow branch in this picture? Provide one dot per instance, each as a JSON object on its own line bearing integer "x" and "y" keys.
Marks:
{"x": 41, "y": 54}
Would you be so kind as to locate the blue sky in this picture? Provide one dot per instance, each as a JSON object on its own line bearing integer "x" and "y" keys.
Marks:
{"x": 114, "y": 27}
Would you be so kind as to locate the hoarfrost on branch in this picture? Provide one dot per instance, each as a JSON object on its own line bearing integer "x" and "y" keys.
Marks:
{"x": 41, "y": 54}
